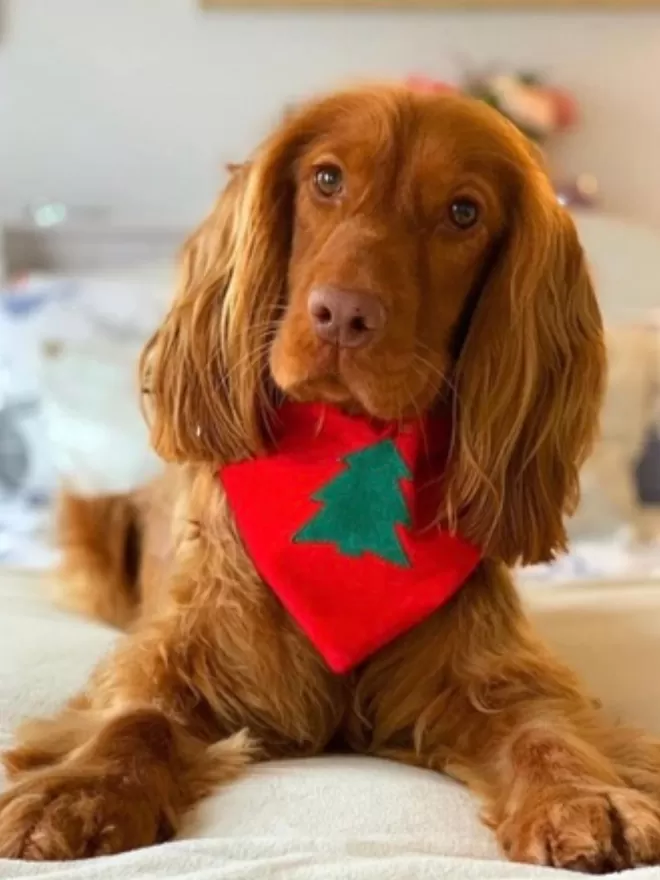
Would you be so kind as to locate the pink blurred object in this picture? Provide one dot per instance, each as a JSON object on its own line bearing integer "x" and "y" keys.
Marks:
{"x": 428, "y": 84}
{"x": 567, "y": 110}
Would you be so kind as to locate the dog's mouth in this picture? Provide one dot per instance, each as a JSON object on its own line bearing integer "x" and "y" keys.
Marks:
{"x": 322, "y": 380}
{"x": 326, "y": 390}
{"x": 337, "y": 378}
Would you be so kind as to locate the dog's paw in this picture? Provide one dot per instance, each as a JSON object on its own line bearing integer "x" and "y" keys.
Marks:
{"x": 61, "y": 816}
{"x": 591, "y": 831}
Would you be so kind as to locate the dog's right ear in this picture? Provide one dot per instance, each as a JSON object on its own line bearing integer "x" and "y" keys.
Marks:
{"x": 204, "y": 372}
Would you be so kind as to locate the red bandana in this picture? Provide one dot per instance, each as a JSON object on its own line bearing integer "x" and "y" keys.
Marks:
{"x": 338, "y": 521}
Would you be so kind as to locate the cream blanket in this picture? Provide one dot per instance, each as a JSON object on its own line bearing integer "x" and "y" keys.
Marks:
{"x": 334, "y": 818}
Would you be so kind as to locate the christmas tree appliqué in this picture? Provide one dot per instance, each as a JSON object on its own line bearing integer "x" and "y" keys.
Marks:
{"x": 362, "y": 505}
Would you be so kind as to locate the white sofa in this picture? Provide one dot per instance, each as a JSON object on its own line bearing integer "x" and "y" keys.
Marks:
{"x": 331, "y": 818}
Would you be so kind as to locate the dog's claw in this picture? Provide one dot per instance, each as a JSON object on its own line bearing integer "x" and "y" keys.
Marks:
{"x": 589, "y": 831}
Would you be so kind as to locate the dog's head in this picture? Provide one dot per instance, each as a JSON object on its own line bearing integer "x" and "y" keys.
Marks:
{"x": 385, "y": 251}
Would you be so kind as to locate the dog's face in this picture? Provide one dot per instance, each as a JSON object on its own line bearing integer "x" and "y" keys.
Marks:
{"x": 393, "y": 222}
{"x": 384, "y": 250}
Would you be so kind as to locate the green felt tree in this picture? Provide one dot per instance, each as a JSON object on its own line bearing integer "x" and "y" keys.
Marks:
{"x": 362, "y": 505}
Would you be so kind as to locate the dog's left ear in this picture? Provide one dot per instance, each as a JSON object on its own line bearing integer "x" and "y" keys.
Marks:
{"x": 529, "y": 383}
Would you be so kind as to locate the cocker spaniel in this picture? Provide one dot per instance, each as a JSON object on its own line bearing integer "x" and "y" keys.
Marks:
{"x": 376, "y": 386}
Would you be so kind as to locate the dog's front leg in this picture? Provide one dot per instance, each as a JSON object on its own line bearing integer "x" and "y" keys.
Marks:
{"x": 119, "y": 767}
{"x": 474, "y": 693}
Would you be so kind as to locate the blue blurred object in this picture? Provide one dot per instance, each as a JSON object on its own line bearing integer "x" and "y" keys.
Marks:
{"x": 647, "y": 472}
{"x": 25, "y": 296}
{"x": 27, "y": 474}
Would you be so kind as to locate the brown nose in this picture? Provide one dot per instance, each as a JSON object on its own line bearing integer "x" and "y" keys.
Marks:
{"x": 347, "y": 318}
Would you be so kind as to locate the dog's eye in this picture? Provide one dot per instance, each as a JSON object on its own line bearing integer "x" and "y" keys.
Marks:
{"x": 328, "y": 180}
{"x": 463, "y": 213}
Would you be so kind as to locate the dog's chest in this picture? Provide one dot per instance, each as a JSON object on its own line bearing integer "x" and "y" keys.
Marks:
{"x": 279, "y": 683}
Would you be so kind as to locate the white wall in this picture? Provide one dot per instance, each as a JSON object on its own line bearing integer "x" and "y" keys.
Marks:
{"x": 134, "y": 104}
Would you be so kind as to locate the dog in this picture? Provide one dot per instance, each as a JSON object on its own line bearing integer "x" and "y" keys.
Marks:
{"x": 384, "y": 257}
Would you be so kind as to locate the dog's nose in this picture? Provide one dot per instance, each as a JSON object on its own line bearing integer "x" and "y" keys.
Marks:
{"x": 347, "y": 318}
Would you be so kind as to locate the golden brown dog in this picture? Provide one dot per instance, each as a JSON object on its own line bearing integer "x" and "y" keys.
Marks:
{"x": 435, "y": 210}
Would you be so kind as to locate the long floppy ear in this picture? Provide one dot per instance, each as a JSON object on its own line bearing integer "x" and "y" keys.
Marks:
{"x": 529, "y": 383}
{"x": 204, "y": 371}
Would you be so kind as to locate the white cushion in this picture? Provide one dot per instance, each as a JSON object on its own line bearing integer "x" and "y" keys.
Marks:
{"x": 624, "y": 258}
{"x": 98, "y": 440}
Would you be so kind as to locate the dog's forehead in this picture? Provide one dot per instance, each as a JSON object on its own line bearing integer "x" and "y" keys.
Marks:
{"x": 466, "y": 136}
{"x": 419, "y": 132}
{"x": 460, "y": 122}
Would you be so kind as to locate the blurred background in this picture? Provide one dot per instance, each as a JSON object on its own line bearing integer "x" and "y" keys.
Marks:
{"x": 117, "y": 118}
